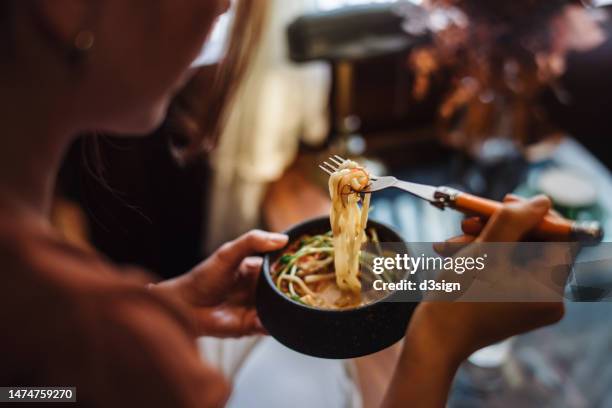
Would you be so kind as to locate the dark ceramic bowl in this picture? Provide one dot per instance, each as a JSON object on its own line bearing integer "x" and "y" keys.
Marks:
{"x": 334, "y": 334}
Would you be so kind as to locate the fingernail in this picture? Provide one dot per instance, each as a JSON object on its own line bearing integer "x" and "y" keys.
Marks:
{"x": 277, "y": 238}
{"x": 254, "y": 262}
{"x": 540, "y": 202}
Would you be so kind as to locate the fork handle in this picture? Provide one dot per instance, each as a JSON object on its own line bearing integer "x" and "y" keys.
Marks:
{"x": 552, "y": 228}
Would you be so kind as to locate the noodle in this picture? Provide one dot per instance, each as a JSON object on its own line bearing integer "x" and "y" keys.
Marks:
{"x": 348, "y": 222}
{"x": 300, "y": 282}
{"x": 323, "y": 270}
{"x": 319, "y": 278}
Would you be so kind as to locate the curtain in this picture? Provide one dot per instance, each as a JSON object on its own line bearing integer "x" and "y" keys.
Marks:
{"x": 278, "y": 103}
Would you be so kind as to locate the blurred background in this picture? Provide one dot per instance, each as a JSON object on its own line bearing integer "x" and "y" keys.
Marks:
{"x": 488, "y": 97}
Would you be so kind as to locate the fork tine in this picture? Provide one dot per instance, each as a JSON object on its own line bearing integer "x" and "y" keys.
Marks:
{"x": 335, "y": 161}
{"x": 329, "y": 166}
{"x": 325, "y": 170}
{"x": 339, "y": 158}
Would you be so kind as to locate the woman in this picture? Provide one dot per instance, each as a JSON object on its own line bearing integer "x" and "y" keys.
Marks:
{"x": 69, "y": 317}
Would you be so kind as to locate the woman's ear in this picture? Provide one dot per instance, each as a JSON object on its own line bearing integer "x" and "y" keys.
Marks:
{"x": 65, "y": 18}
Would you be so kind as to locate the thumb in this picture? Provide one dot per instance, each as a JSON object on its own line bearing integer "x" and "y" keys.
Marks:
{"x": 515, "y": 219}
{"x": 210, "y": 282}
{"x": 230, "y": 255}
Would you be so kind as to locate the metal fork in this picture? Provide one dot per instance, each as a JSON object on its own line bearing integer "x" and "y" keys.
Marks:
{"x": 428, "y": 193}
{"x": 552, "y": 228}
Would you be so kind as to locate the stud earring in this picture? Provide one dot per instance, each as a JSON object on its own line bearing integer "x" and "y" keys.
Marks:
{"x": 84, "y": 41}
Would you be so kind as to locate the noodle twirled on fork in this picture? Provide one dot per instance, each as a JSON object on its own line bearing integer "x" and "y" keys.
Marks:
{"x": 348, "y": 222}
{"x": 324, "y": 270}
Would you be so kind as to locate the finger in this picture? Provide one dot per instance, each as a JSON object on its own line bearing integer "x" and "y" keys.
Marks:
{"x": 472, "y": 226}
{"x": 511, "y": 198}
{"x": 229, "y": 321}
{"x": 231, "y": 254}
{"x": 250, "y": 267}
{"x": 453, "y": 245}
{"x": 211, "y": 282}
{"x": 246, "y": 286}
{"x": 515, "y": 220}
